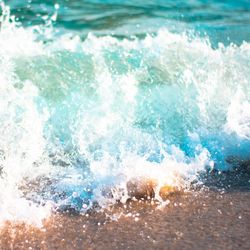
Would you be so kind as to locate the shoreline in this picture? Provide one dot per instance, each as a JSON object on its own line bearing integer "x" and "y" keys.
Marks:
{"x": 205, "y": 219}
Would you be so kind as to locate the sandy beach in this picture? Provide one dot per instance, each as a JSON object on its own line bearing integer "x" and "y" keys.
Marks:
{"x": 214, "y": 217}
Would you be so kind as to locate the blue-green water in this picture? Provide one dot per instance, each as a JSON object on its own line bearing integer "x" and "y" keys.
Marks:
{"x": 223, "y": 21}
{"x": 96, "y": 93}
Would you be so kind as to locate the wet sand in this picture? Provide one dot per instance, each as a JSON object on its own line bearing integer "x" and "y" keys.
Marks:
{"x": 209, "y": 218}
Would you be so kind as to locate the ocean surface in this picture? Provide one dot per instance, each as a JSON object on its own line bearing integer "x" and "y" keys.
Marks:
{"x": 94, "y": 94}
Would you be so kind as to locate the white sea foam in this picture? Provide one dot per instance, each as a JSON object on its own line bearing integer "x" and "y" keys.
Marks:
{"x": 164, "y": 107}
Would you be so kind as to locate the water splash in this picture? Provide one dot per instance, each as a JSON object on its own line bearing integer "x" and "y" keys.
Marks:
{"x": 91, "y": 115}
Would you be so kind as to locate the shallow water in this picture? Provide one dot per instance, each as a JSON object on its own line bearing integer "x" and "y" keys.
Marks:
{"x": 96, "y": 93}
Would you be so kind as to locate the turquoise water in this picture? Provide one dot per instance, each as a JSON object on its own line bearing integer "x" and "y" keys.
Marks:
{"x": 223, "y": 21}
{"x": 96, "y": 93}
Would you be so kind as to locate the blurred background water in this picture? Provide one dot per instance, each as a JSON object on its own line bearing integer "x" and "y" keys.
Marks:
{"x": 223, "y": 21}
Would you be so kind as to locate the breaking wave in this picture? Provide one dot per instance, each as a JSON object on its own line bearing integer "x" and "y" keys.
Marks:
{"x": 81, "y": 118}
